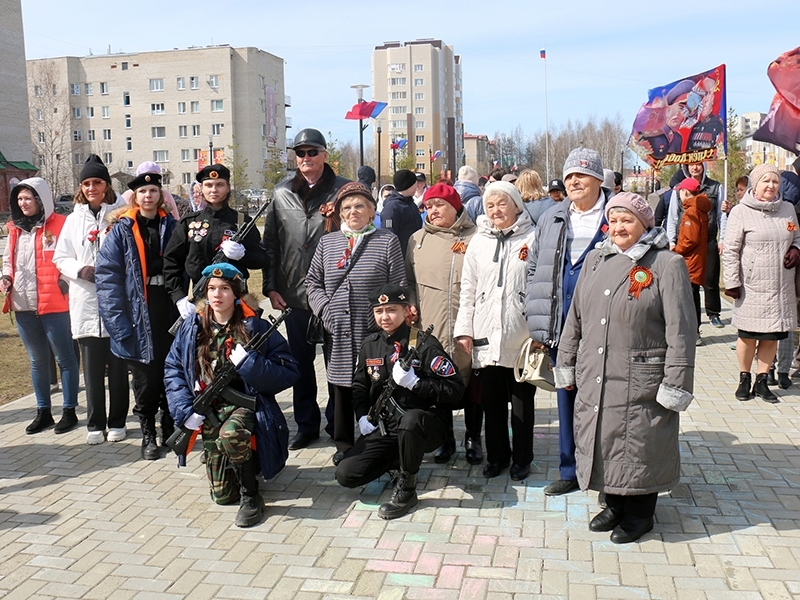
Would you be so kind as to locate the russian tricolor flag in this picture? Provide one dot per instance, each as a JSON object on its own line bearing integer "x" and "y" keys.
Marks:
{"x": 542, "y": 53}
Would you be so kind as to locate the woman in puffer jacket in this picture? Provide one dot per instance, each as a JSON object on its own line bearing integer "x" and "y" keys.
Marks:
{"x": 39, "y": 298}
{"x": 76, "y": 252}
{"x": 134, "y": 304}
{"x": 491, "y": 325}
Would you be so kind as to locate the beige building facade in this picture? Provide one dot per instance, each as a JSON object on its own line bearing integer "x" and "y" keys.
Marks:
{"x": 478, "y": 152}
{"x": 170, "y": 107}
{"x": 761, "y": 152}
{"x": 421, "y": 82}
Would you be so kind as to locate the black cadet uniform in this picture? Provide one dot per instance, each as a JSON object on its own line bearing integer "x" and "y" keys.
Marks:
{"x": 197, "y": 238}
{"x": 415, "y": 424}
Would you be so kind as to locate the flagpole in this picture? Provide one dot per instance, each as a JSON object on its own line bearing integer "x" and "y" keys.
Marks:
{"x": 546, "y": 120}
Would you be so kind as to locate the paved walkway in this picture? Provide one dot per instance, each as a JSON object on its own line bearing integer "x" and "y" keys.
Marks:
{"x": 80, "y": 521}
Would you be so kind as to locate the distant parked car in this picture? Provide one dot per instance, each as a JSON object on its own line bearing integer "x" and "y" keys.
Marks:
{"x": 64, "y": 204}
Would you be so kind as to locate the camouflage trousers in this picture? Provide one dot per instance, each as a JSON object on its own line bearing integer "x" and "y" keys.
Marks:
{"x": 226, "y": 449}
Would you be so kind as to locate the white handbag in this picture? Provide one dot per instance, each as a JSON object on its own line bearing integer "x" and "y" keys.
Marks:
{"x": 533, "y": 366}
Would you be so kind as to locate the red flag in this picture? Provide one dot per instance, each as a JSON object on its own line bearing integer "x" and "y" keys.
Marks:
{"x": 361, "y": 110}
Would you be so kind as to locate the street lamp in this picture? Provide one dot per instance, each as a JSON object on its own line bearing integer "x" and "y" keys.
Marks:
{"x": 210, "y": 149}
{"x": 379, "y": 154}
{"x": 359, "y": 88}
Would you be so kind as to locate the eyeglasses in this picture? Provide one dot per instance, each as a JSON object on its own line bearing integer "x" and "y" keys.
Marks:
{"x": 302, "y": 153}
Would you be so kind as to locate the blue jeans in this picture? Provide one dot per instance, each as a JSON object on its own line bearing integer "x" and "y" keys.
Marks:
{"x": 566, "y": 436}
{"x": 39, "y": 333}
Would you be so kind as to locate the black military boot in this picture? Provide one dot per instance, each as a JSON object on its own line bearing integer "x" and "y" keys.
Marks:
{"x": 251, "y": 504}
{"x": 149, "y": 445}
{"x": 761, "y": 390}
{"x": 404, "y": 497}
{"x": 68, "y": 421}
{"x": 743, "y": 391}
{"x": 771, "y": 377}
{"x": 784, "y": 382}
{"x": 167, "y": 426}
{"x": 474, "y": 451}
{"x": 43, "y": 420}
{"x": 446, "y": 450}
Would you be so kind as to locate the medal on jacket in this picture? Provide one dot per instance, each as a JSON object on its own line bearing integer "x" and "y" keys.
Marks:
{"x": 459, "y": 247}
{"x": 640, "y": 278}
{"x": 791, "y": 226}
{"x": 523, "y": 252}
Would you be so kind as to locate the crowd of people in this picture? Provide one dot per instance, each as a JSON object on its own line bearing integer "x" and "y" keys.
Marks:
{"x": 422, "y": 298}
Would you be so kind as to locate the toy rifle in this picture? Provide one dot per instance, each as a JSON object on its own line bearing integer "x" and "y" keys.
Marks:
{"x": 182, "y": 440}
{"x": 199, "y": 288}
{"x": 378, "y": 412}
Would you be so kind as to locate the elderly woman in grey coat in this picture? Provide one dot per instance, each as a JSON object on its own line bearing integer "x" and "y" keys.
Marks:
{"x": 347, "y": 265}
{"x": 629, "y": 345}
{"x": 759, "y": 258}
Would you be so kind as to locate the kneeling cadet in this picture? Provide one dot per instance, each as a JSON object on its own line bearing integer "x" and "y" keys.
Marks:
{"x": 413, "y": 420}
{"x": 203, "y": 344}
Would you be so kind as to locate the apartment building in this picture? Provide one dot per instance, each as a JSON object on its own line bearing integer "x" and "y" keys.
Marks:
{"x": 761, "y": 152}
{"x": 173, "y": 107}
{"x": 421, "y": 82}
{"x": 479, "y": 153}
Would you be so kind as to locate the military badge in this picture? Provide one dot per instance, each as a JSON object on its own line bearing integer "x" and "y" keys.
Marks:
{"x": 442, "y": 366}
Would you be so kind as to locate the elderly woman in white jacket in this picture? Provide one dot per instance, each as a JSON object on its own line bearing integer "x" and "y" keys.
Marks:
{"x": 491, "y": 325}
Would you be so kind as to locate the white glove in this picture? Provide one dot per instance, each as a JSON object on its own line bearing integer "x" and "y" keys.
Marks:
{"x": 238, "y": 354}
{"x": 186, "y": 307}
{"x": 365, "y": 426}
{"x": 407, "y": 379}
{"x": 233, "y": 250}
{"x": 194, "y": 422}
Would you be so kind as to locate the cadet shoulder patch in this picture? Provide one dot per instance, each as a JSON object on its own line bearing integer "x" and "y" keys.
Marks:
{"x": 443, "y": 367}
{"x": 374, "y": 362}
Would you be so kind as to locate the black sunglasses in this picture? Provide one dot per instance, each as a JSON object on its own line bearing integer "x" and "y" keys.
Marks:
{"x": 302, "y": 153}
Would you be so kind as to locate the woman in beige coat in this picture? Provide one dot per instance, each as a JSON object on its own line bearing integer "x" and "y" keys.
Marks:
{"x": 762, "y": 249}
{"x": 434, "y": 259}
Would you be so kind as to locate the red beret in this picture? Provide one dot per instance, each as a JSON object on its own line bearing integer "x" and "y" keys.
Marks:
{"x": 690, "y": 184}
{"x": 446, "y": 192}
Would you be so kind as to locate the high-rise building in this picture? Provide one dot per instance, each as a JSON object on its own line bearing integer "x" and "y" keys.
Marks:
{"x": 171, "y": 107}
{"x": 761, "y": 152}
{"x": 421, "y": 82}
{"x": 479, "y": 152}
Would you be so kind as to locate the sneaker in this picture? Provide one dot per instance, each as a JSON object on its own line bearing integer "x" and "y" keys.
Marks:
{"x": 117, "y": 434}
{"x": 95, "y": 437}
{"x": 716, "y": 322}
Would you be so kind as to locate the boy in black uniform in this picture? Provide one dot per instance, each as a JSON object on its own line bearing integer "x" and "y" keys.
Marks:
{"x": 199, "y": 236}
{"x": 423, "y": 395}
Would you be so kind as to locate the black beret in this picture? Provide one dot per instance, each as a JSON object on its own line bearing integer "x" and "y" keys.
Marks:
{"x": 214, "y": 172}
{"x": 145, "y": 179}
{"x": 388, "y": 293}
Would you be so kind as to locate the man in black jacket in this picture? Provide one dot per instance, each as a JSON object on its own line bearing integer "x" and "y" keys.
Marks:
{"x": 299, "y": 214}
{"x": 400, "y": 214}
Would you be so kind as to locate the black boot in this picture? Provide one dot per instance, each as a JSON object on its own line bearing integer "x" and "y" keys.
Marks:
{"x": 474, "y": 451}
{"x": 404, "y": 497}
{"x": 43, "y": 420}
{"x": 446, "y": 450}
{"x": 167, "y": 426}
{"x": 771, "y": 377}
{"x": 743, "y": 391}
{"x": 761, "y": 390}
{"x": 149, "y": 445}
{"x": 784, "y": 382}
{"x": 68, "y": 421}
{"x": 251, "y": 504}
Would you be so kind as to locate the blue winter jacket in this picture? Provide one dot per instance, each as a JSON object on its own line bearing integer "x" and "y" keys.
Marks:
{"x": 120, "y": 289}
{"x": 266, "y": 372}
{"x": 471, "y": 198}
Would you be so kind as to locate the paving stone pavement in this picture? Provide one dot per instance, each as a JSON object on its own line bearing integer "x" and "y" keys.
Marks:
{"x": 79, "y": 521}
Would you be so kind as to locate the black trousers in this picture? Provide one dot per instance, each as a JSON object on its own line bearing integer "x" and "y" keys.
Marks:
{"x": 409, "y": 436}
{"x": 639, "y": 507}
{"x": 96, "y": 355}
{"x": 711, "y": 288}
{"x": 500, "y": 388}
{"x": 344, "y": 419}
{"x": 696, "y": 298}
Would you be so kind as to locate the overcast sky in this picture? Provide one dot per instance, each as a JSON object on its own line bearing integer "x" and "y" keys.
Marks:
{"x": 602, "y": 57}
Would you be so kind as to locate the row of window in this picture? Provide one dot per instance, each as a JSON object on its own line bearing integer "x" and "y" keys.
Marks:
{"x": 401, "y": 110}
{"x": 404, "y": 95}
{"x": 400, "y": 67}
{"x": 158, "y": 156}
{"x": 402, "y": 81}
{"x": 402, "y": 124}
{"x": 156, "y": 85}
{"x": 157, "y": 133}
{"x": 156, "y": 108}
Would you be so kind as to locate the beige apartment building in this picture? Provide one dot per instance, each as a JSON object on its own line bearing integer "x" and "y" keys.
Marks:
{"x": 479, "y": 152}
{"x": 421, "y": 82}
{"x": 171, "y": 107}
{"x": 761, "y": 152}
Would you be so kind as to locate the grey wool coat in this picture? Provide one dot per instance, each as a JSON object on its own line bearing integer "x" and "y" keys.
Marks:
{"x": 347, "y": 315}
{"x": 628, "y": 357}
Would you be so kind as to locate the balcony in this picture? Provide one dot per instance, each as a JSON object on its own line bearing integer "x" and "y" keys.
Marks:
{"x": 287, "y": 101}
{"x": 288, "y": 122}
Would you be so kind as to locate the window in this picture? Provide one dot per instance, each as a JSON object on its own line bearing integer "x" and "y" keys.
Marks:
{"x": 41, "y": 160}
{"x": 420, "y": 167}
{"x": 419, "y": 82}
{"x": 196, "y": 154}
{"x": 216, "y": 128}
{"x": 41, "y": 137}
{"x": 160, "y": 156}
{"x": 196, "y": 106}
{"x": 182, "y": 131}
{"x": 185, "y": 157}
{"x": 420, "y": 152}
{"x": 90, "y": 135}
{"x": 419, "y": 138}
{"x": 77, "y": 135}
{"x": 78, "y": 158}
{"x": 126, "y": 98}
{"x": 37, "y": 91}
{"x": 157, "y": 109}
{"x": 195, "y": 130}
{"x": 419, "y": 96}
{"x": 128, "y": 144}
{"x": 107, "y": 155}
{"x": 158, "y": 132}
{"x": 124, "y": 68}
{"x": 216, "y": 106}
{"x": 187, "y": 178}
{"x": 105, "y": 112}
{"x": 156, "y": 85}
{"x": 129, "y": 164}
{"x": 398, "y": 95}
{"x": 398, "y": 110}
{"x": 181, "y": 108}
{"x": 397, "y": 67}
{"x": 398, "y": 124}
{"x": 194, "y": 82}
{"x": 90, "y": 112}
{"x": 213, "y": 81}
{"x": 107, "y": 134}
{"x": 75, "y": 89}
{"x": 417, "y": 68}
{"x": 127, "y": 121}
{"x": 181, "y": 83}
{"x": 39, "y": 114}
{"x": 54, "y": 90}
{"x": 76, "y": 112}
{"x": 419, "y": 110}
{"x": 263, "y": 130}
{"x": 87, "y": 89}
{"x": 104, "y": 88}
{"x": 419, "y": 124}
{"x": 397, "y": 81}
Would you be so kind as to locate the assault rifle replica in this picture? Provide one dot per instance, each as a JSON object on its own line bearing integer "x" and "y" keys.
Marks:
{"x": 379, "y": 411}
{"x": 199, "y": 289}
{"x": 182, "y": 440}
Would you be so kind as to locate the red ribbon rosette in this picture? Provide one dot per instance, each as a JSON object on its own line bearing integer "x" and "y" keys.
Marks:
{"x": 640, "y": 278}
